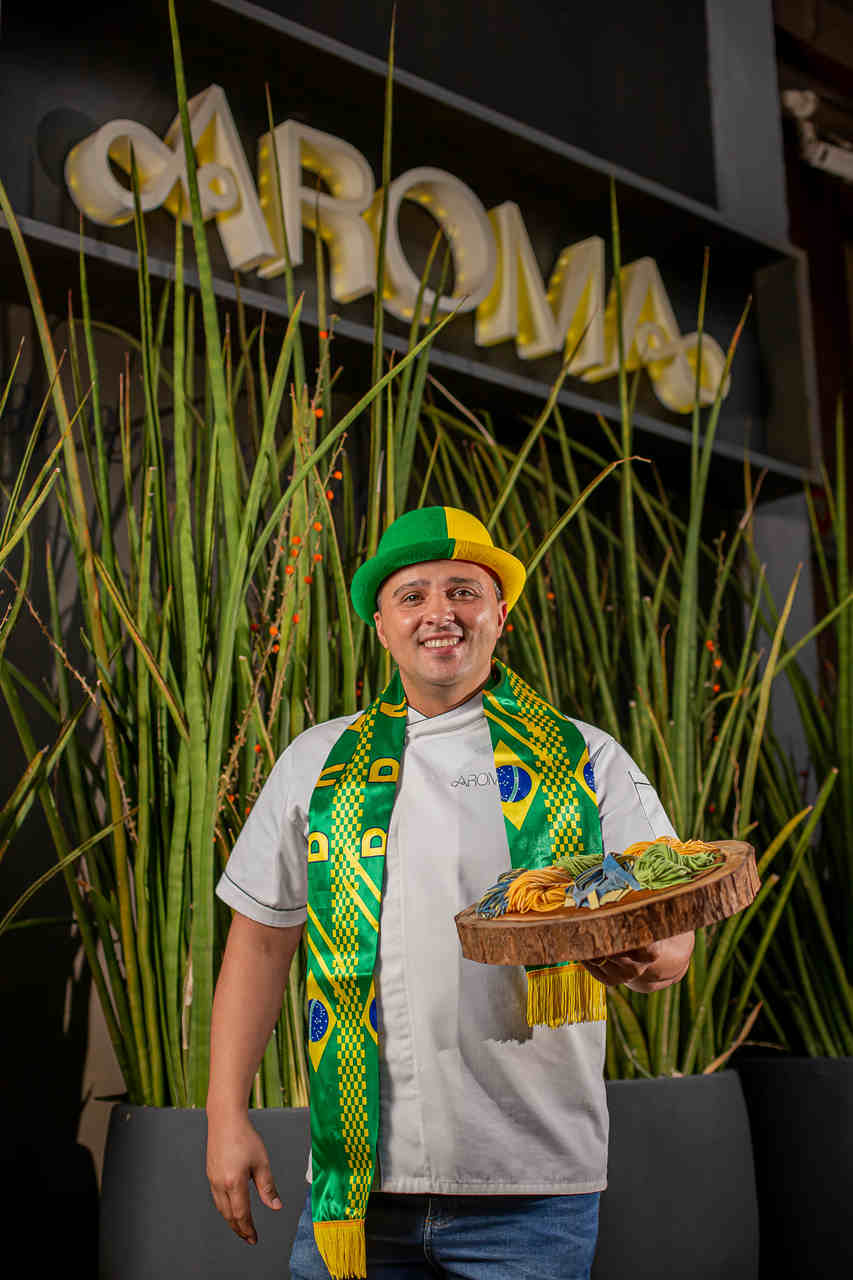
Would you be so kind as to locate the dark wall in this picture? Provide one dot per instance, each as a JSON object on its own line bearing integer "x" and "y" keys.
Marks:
{"x": 592, "y": 75}
{"x": 60, "y": 81}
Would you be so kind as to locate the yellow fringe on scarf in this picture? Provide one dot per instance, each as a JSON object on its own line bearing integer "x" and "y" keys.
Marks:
{"x": 563, "y": 994}
{"x": 342, "y": 1248}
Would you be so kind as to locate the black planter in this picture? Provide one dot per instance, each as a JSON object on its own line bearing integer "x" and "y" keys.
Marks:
{"x": 681, "y": 1199}
{"x": 801, "y": 1115}
{"x": 157, "y": 1214}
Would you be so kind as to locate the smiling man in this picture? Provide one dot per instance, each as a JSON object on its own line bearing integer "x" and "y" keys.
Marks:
{"x": 458, "y": 1111}
{"x": 441, "y": 627}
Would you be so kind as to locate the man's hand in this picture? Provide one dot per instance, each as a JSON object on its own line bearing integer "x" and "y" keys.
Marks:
{"x": 645, "y": 969}
{"x": 246, "y": 1004}
{"x": 235, "y": 1153}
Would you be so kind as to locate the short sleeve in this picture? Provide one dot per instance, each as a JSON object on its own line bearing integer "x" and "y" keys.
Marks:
{"x": 628, "y": 805}
{"x": 266, "y": 876}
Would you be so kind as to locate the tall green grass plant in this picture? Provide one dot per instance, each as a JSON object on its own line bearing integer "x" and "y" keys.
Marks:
{"x": 217, "y": 625}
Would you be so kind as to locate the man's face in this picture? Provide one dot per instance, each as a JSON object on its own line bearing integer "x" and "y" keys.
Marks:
{"x": 440, "y": 620}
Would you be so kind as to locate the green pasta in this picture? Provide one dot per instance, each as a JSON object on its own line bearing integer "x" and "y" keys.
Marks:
{"x": 578, "y": 863}
{"x": 660, "y": 867}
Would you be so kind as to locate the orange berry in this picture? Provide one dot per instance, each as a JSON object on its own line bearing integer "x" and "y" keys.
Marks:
{"x": 318, "y": 413}
{"x": 716, "y": 688}
{"x": 317, "y": 556}
{"x": 288, "y": 568}
{"x": 549, "y": 595}
{"x": 232, "y": 799}
{"x": 317, "y": 525}
{"x": 273, "y": 630}
{"x": 308, "y": 579}
{"x": 709, "y": 644}
{"x": 718, "y": 662}
{"x": 296, "y": 539}
{"x": 324, "y": 333}
{"x": 275, "y": 648}
{"x": 294, "y": 551}
{"x": 257, "y": 748}
{"x": 248, "y": 809}
{"x": 296, "y": 617}
{"x": 510, "y": 627}
{"x": 329, "y": 494}
{"x": 338, "y": 475}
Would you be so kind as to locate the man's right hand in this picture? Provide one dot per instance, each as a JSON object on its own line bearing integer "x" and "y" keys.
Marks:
{"x": 246, "y": 1004}
{"x": 236, "y": 1153}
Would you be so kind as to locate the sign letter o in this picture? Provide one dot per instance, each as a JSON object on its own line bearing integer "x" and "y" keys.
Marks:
{"x": 463, "y": 220}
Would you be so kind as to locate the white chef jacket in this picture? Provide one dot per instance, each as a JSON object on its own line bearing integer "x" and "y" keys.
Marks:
{"x": 472, "y": 1100}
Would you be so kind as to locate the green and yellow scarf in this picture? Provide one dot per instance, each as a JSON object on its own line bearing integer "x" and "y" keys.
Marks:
{"x": 549, "y": 809}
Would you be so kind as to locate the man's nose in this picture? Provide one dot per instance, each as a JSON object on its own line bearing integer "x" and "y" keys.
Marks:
{"x": 438, "y": 607}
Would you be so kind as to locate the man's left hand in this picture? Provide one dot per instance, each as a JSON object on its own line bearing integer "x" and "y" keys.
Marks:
{"x": 648, "y": 968}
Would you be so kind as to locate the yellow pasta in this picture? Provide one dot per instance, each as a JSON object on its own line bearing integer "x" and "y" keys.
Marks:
{"x": 540, "y": 889}
{"x": 684, "y": 847}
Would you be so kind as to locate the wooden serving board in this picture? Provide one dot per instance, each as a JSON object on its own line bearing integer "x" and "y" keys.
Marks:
{"x": 641, "y": 917}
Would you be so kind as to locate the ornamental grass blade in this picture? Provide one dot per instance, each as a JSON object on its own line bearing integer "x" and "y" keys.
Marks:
{"x": 629, "y": 1033}
{"x": 48, "y": 875}
{"x": 762, "y": 709}
{"x": 770, "y": 924}
{"x": 144, "y": 651}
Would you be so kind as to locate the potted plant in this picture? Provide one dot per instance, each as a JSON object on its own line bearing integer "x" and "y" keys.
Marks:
{"x": 806, "y": 968}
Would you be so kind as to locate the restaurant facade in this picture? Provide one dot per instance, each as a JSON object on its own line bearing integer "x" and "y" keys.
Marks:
{"x": 511, "y": 125}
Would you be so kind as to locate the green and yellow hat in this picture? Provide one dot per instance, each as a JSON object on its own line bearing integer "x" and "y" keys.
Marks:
{"x": 434, "y": 533}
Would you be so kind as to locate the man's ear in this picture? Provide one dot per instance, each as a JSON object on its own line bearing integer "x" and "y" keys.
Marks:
{"x": 502, "y": 612}
{"x": 380, "y": 630}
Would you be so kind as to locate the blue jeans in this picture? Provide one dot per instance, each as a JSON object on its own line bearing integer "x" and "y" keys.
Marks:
{"x": 467, "y": 1238}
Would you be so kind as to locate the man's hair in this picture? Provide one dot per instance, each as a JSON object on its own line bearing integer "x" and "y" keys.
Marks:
{"x": 499, "y": 592}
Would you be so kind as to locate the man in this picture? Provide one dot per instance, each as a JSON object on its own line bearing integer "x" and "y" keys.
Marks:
{"x": 475, "y": 1144}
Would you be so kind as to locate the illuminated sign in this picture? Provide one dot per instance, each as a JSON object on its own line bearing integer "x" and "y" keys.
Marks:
{"x": 496, "y": 274}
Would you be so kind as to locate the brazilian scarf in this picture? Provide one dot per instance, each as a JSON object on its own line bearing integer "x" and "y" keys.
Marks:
{"x": 549, "y": 808}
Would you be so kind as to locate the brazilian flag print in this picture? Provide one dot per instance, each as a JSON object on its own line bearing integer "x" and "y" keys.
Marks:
{"x": 544, "y": 775}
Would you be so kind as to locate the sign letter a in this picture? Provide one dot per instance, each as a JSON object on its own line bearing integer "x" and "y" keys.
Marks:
{"x": 226, "y": 188}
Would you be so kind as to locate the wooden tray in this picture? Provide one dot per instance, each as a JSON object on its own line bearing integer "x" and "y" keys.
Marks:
{"x": 582, "y": 933}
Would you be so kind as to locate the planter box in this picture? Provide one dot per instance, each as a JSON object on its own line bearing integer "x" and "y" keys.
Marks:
{"x": 681, "y": 1198}
{"x": 801, "y": 1115}
{"x": 157, "y": 1214}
